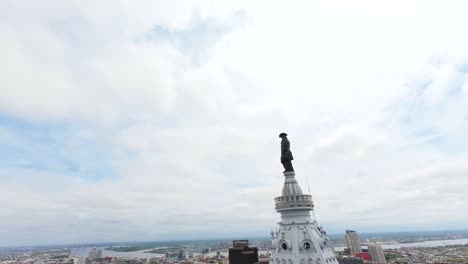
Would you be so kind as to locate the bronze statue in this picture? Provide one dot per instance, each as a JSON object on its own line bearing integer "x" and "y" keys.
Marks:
{"x": 286, "y": 155}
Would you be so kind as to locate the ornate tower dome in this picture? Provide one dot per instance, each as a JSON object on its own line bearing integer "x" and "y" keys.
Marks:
{"x": 299, "y": 239}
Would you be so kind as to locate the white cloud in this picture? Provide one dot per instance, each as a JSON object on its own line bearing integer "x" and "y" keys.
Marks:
{"x": 372, "y": 94}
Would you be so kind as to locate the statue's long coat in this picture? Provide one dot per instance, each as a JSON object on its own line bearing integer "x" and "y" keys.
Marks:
{"x": 285, "y": 151}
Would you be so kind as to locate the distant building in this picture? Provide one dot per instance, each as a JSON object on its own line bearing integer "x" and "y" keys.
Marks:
{"x": 241, "y": 253}
{"x": 364, "y": 255}
{"x": 352, "y": 241}
{"x": 99, "y": 253}
{"x": 376, "y": 252}
{"x": 79, "y": 261}
{"x": 181, "y": 254}
{"x": 347, "y": 251}
{"x": 350, "y": 260}
{"x": 92, "y": 254}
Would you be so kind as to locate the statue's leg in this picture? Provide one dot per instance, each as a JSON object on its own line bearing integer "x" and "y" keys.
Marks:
{"x": 285, "y": 165}
{"x": 289, "y": 166}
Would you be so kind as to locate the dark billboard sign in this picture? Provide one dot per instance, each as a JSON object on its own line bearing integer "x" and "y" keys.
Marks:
{"x": 240, "y": 243}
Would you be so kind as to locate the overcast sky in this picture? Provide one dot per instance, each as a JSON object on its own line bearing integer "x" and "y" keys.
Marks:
{"x": 151, "y": 120}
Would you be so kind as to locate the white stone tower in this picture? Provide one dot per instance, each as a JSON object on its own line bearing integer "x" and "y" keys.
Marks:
{"x": 299, "y": 239}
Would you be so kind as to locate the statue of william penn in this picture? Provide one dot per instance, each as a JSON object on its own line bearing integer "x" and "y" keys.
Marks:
{"x": 286, "y": 155}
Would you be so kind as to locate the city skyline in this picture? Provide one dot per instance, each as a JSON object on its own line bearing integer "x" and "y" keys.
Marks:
{"x": 157, "y": 121}
{"x": 447, "y": 235}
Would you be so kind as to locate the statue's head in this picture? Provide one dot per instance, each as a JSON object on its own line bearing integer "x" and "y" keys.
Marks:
{"x": 283, "y": 135}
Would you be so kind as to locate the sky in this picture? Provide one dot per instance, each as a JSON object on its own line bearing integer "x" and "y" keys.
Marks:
{"x": 154, "y": 120}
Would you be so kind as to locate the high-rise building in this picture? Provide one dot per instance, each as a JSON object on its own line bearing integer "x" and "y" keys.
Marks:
{"x": 92, "y": 254}
{"x": 376, "y": 252}
{"x": 190, "y": 251}
{"x": 352, "y": 241}
{"x": 181, "y": 254}
{"x": 79, "y": 260}
{"x": 241, "y": 253}
{"x": 99, "y": 253}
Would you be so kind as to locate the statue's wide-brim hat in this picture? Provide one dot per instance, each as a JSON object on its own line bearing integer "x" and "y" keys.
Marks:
{"x": 283, "y": 134}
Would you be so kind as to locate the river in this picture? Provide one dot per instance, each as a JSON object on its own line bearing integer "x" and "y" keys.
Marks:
{"x": 84, "y": 252}
{"x": 432, "y": 243}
